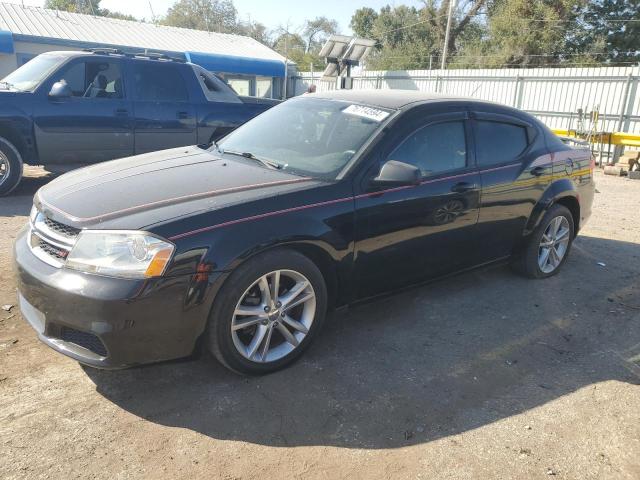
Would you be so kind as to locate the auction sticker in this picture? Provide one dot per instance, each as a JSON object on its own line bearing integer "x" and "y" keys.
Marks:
{"x": 370, "y": 113}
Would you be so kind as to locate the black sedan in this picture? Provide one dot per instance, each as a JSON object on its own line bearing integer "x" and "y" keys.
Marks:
{"x": 320, "y": 202}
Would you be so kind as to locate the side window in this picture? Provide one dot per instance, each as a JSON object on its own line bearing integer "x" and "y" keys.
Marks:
{"x": 94, "y": 79}
{"x": 498, "y": 142}
{"x": 159, "y": 83}
{"x": 435, "y": 148}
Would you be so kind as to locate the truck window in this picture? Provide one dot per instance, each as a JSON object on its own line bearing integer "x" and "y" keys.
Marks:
{"x": 94, "y": 79}
{"x": 214, "y": 89}
{"x": 159, "y": 83}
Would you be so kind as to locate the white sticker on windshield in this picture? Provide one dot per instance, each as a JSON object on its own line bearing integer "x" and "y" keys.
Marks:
{"x": 370, "y": 113}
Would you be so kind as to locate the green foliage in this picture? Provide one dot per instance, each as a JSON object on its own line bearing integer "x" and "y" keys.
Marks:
{"x": 88, "y": 7}
{"x": 210, "y": 15}
{"x": 493, "y": 33}
{"x": 317, "y": 31}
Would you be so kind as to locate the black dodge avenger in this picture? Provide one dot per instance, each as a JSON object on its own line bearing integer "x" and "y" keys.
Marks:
{"x": 320, "y": 202}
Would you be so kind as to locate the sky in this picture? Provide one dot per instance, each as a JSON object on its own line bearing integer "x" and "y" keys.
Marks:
{"x": 272, "y": 13}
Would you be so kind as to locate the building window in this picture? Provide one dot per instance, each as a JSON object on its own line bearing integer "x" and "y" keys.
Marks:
{"x": 264, "y": 87}
{"x": 241, "y": 85}
{"x": 24, "y": 58}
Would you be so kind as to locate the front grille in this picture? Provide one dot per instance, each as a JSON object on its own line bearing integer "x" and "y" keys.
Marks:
{"x": 84, "y": 340}
{"x": 52, "y": 250}
{"x": 51, "y": 241}
{"x": 61, "y": 228}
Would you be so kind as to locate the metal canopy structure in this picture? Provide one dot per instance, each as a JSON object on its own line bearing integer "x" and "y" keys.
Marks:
{"x": 342, "y": 52}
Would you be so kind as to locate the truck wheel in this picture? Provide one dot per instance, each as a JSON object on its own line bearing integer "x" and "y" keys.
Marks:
{"x": 267, "y": 313}
{"x": 10, "y": 167}
{"x": 548, "y": 246}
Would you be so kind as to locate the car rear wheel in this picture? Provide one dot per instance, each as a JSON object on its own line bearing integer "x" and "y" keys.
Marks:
{"x": 267, "y": 312}
{"x": 10, "y": 167}
{"x": 548, "y": 246}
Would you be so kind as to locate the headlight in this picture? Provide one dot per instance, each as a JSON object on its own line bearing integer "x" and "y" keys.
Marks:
{"x": 120, "y": 254}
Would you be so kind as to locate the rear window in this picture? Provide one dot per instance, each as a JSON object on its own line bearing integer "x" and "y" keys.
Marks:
{"x": 159, "y": 83}
{"x": 498, "y": 142}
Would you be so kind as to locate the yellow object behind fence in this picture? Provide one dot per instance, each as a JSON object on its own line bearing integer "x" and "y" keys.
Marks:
{"x": 615, "y": 138}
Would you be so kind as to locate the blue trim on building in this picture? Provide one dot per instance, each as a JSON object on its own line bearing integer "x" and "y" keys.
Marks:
{"x": 232, "y": 64}
{"x": 6, "y": 42}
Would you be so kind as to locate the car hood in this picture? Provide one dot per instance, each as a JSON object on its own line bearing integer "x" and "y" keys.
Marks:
{"x": 137, "y": 192}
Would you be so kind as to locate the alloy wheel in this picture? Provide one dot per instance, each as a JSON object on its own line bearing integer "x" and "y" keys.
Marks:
{"x": 5, "y": 168}
{"x": 273, "y": 316}
{"x": 554, "y": 244}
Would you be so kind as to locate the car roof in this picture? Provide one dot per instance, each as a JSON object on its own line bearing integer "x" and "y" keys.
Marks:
{"x": 393, "y": 99}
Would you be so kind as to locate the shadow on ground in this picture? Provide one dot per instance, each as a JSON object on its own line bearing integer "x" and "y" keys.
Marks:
{"x": 18, "y": 203}
{"x": 427, "y": 363}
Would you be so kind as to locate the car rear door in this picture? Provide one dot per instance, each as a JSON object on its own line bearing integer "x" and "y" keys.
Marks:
{"x": 409, "y": 234}
{"x": 95, "y": 123}
{"x": 515, "y": 170}
{"x": 164, "y": 115}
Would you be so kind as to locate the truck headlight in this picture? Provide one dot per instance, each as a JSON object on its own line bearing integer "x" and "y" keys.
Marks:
{"x": 120, "y": 254}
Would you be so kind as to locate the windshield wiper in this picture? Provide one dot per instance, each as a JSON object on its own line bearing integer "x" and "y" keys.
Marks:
{"x": 251, "y": 156}
{"x": 8, "y": 85}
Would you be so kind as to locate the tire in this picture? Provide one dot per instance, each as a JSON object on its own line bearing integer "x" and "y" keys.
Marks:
{"x": 528, "y": 262}
{"x": 243, "y": 292}
{"x": 10, "y": 167}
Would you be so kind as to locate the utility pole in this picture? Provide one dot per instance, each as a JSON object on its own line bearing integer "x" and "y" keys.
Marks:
{"x": 446, "y": 35}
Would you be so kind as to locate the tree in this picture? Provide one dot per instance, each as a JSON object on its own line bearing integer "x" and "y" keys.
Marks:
{"x": 316, "y": 31}
{"x": 88, "y": 7}
{"x": 255, "y": 30}
{"x": 409, "y": 37}
{"x": 210, "y": 15}
{"x": 363, "y": 21}
{"x": 612, "y": 27}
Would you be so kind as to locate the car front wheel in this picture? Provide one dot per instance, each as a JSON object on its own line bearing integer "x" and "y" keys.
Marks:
{"x": 267, "y": 312}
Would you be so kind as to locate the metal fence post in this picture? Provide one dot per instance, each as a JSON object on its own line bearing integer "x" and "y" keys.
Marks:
{"x": 517, "y": 94}
{"x": 624, "y": 102}
{"x": 631, "y": 100}
{"x": 438, "y": 83}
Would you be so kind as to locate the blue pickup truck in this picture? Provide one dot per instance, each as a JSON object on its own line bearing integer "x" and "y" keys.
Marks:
{"x": 67, "y": 109}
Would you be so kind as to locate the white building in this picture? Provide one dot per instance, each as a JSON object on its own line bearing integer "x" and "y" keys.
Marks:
{"x": 249, "y": 66}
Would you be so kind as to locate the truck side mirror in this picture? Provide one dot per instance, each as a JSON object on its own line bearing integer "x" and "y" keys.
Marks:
{"x": 60, "y": 90}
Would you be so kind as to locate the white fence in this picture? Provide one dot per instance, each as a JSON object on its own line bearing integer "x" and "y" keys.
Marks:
{"x": 554, "y": 95}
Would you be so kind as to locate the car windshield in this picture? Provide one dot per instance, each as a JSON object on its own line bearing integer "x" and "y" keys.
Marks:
{"x": 307, "y": 136}
{"x": 32, "y": 73}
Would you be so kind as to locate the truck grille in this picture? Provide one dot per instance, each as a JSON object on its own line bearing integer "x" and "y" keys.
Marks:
{"x": 85, "y": 340}
{"x": 51, "y": 241}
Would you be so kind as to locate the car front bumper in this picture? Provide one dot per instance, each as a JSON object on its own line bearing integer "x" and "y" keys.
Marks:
{"x": 107, "y": 322}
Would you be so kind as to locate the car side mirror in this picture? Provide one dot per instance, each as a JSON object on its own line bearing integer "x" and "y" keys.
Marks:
{"x": 60, "y": 90}
{"x": 395, "y": 173}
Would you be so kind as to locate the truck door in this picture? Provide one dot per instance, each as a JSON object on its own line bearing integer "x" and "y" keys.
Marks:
{"x": 95, "y": 123}
{"x": 164, "y": 116}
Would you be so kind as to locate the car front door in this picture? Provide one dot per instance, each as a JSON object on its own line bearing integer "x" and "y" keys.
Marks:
{"x": 92, "y": 125}
{"x": 164, "y": 116}
{"x": 515, "y": 170}
{"x": 408, "y": 234}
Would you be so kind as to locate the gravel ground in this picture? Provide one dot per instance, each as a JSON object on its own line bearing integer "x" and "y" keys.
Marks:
{"x": 485, "y": 375}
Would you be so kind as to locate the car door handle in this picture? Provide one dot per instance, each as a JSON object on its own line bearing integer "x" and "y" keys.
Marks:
{"x": 537, "y": 171}
{"x": 122, "y": 112}
{"x": 463, "y": 187}
{"x": 183, "y": 115}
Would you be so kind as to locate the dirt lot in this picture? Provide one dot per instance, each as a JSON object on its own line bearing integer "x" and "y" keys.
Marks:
{"x": 486, "y": 375}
